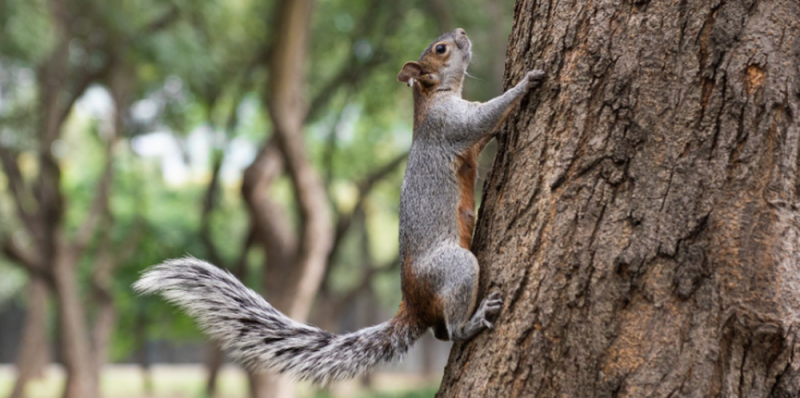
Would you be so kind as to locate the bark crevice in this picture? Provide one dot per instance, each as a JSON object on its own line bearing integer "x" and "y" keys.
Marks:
{"x": 641, "y": 219}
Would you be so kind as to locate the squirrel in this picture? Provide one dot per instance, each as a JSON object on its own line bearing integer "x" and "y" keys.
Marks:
{"x": 439, "y": 274}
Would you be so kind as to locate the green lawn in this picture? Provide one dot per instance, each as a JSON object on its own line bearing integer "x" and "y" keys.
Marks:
{"x": 188, "y": 382}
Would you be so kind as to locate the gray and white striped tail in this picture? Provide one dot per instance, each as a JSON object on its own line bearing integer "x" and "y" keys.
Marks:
{"x": 261, "y": 337}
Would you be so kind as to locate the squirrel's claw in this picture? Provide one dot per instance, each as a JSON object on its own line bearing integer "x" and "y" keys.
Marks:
{"x": 535, "y": 78}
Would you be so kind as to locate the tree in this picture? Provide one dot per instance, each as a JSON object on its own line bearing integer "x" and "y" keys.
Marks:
{"x": 297, "y": 261}
{"x": 176, "y": 66}
{"x": 53, "y": 252}
{"x": 641, "y": 218}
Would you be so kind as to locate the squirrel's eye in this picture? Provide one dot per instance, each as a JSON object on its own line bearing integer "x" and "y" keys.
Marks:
{"x": 441, "y": 48}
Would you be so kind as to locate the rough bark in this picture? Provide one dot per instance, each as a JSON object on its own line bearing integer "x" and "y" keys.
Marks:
{"x": 641, "y": 220}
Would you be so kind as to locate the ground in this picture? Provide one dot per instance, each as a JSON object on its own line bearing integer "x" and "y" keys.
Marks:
{"x": 187, "y": 381}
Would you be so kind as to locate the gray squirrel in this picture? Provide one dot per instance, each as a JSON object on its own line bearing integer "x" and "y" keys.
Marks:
{"x": 439, "y": 273}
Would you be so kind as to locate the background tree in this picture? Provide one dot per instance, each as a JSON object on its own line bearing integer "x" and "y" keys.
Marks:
{"x": 641, "y": 219}
{"x": 87, "y": 86}
{"x": 53, "y": 253}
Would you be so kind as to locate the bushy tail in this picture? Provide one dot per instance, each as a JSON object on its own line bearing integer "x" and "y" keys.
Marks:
{"x": 261, "y": 337}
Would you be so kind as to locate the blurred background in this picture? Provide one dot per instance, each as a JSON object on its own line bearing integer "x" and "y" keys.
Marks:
{"x": 266, "y": 136}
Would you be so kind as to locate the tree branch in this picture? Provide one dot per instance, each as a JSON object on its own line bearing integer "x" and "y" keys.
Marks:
{"x": 28, "y": 261}
{"x": 17, "y": 187}
{"x": 17, "y": 254}
{"x": 368, "y": 274}
{"x": 240, "y": 267}
{"x": 330, "y": 148}
{"x": 209, "y": 203}
{"x": 82, "y": 83}
{"x": 271, "y": 226}
{"x": 130, "y": 245}
{"x": 120, "y": 88}
{"x": 363, "y": 285}
{"x": 364, "y": 189}
{"x": 352, "y": 71}
{"x": 284, "y": 102}
{"x": 87, "y": 78}
{"x": 350, "y": 74}
{"x": 99, "y": 204}
{"x": 159, "y": 23}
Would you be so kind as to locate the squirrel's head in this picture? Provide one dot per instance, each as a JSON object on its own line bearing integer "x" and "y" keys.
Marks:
{"x": 442, "y": 65}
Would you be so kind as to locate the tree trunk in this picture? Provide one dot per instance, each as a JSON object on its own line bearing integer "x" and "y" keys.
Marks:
{"x": 215, "y": 358}
{"x": 106, "y": 258}
{"x": 82, "y": 380}
{"x": 296, "y": 265}
{"x": 270, "y": 385}
{"x": 641, "y": 220}
{"x": 106, "y": 312}
{"x": 33, "y": 353}
{"x": 142, "y": 356}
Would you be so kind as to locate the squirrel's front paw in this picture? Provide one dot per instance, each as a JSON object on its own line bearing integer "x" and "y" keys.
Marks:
{"x": 535, "y": 78}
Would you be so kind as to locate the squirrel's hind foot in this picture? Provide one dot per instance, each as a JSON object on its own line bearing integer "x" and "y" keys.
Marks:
{"x": 489, "y": 309}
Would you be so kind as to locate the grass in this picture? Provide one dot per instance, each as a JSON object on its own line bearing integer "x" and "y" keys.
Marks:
{"x": 188, "y": 381}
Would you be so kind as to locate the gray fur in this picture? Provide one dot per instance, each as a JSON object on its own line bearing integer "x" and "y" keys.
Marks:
{"x": 261, "y": 337}
{"x": 430, "y": 194}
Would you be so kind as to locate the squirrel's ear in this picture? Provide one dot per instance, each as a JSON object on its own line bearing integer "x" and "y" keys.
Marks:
{"x": 410, "y": 72}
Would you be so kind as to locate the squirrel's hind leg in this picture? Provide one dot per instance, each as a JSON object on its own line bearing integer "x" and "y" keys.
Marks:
{"x": 460, "y": 290}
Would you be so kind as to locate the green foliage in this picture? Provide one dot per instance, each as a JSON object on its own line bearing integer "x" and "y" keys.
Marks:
{"x": 27, "y": 30}
{"x": 198, "y": 65}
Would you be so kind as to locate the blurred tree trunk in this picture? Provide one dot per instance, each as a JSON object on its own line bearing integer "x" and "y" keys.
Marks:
{"x": 63, "y": 255}
{"x": 82, "y": 378}
{"x": 142, "y": 356}
{"x": 107, "y": 256}
{"x": 106, "y": 314}
{"x": 215, "y": 358}
{"x": 56, "y": 257}
{"x": 642, "y": 216}
{"x": 33, "y": 353}
{"x": 54, "y": 253}
{"x": 498, "y": 33}
{"x": 295, "y": 262}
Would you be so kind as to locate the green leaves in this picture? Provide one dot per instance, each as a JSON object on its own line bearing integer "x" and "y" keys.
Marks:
{"x": 200, "y": 65}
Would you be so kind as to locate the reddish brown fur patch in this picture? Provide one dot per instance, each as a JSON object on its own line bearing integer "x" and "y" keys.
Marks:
{"x": 427, "y": 84}
{"x": 421, "y": 95}
{"x": 466, "y": 171}
{"x": 421, "y": 303}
